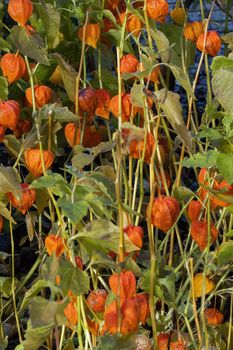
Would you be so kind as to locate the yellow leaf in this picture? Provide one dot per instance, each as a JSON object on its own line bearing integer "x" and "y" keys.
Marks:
{"x": 198, "y": 285}
{"x": 92, "y": 33}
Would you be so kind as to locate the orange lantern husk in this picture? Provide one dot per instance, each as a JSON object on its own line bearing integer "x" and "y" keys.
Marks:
{"x": 165, "y": 211}
{"x": 43, "y": 95}
{"x": 9, "y": 114}
{"x": 157, "y": 10}
{"x": 27, "y": 200}
{"x": 213, "y": 317}
{"x": 87, "y": 102}
{"x": 23, "y": 126}
{"x": 128, "y": 63}
{"x": 96, "y": 300}
{"x": 142, "y": 303}
{"x": 1, "y": 223}
{"x": 34, "y": 163}
{"x": 13, "y": 67}
{"x": 213, "y": 43}
{"x": 123, "y": 283}
{"x": 193, "y": 30}
{"x": 103, "y": 108}
{"x": 54, "y": 244}
{"x": 2, "y": 133}
{"x": 127, "y": 109}
{"x": 135, "y": 234}
{"x": 199, "y": 233}
{"x": 71, "y": 314}
{"x": 92, "y": 34}
{"x": 73, "y": 135}
{"x": 20, "y": 10}
{"x": 194, "y": 210}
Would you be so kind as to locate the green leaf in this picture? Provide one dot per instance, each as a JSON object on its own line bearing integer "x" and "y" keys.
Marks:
{"x": 221, "y": 62}
{"x": 115, "y": 36}
{"x": 30, "y": 45}
{"x": 201, "y": 160}
{"x": 5, "y": 287}
{"x": 3, "y": 88}
{"x": 182, "y": 79}
{"x": 102, "y": 235}
{"x": 58, "y": 113}
{"x": 33, "y": 291}
{"x": 222, "y": 83}
{"x": 35, "y": 337}
{"x": 225, "y": 166}
{"x": 109, "y": 81}
{"x": 113, "y": 342}
{"x": 45, "y": 312}
{"x": 137, "y": 95}
{"x": 225, "y": 253}
{"x": 162, "y": 44}
{"x": 13, "y": 145}
{"x": 42, "y": 199}
{"x": 6, "y": 213}
{"x": 47, "y": 181}
{"x": 183, "y": 193}
{"x": 42, "y": 73}
{"x": 170, "y": 104}
{"x": 72, "y": 278}
{"x": 50, "y": 17}
{"x": 69, "y": 76}
{"x": 73, "y": 211}
{"x": 9, "y": 181}
{"x": 5, "y": 46}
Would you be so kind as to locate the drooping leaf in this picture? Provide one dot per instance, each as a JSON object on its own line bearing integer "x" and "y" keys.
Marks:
{"x": 9, "y": 181}
{"x": 30, "y": 45}
{"x": 6, "y": 213}
{"x": 48, "y": 180}
{"x": 221, "y": 62}
{"x": 13, "y": 145}
{"x": 5, "y": 287}
{"x": 69, "y": 76}
{"x": 162, "y": 44}
{"x": 182, "y": 79}
{"x": 222, "y": 83}
{"x": 33, "y": 291}
{"x": 50, "y": 17}
{"x": 181, "y": 193}
{"x": 35, "y": 337}
{"x": 170, "y": 104}
{"x": 58, "y": 113}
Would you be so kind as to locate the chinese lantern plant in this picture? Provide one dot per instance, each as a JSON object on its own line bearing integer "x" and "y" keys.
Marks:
{"x": 119, "y": 174}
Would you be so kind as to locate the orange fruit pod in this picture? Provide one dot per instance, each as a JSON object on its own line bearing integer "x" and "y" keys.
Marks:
{"x": 1, "y": 223}
{"x": 92, "y": 34}
{"x": 157, "y": 10}
{"x": 114, "y": 3}
{"x": 103, "y": 107}
{"x": 194, "y": 210}
{"x": 93, "y": 326}
{"x": 27, "y": 200}
{"x": 141, "y": 301}
{"x": 129, "y": 317}
{"x": 133, "y": 23}
{"x": 71, "y": 314}
{"x": 165, "y": 212}
{"x": 13, "y": 67}
{"x": 178, "y": 15}
{"x": 136, "y": 148}
{"x": 213, "y": 316}
{"x": 43, "y": 95}
{"x": 20, "y": 10}
{"x": 94, "y": 139}
{"x": 224, "y": 185}
{"x": 54, "y": 244}
{"x": 135, "y": 234}
{"x": 193, "y": 30}
{"x": 128, "y": 63}
{"x": 71, "y": 129}
{"x": 34, "y": 163}
{"x": 87, "y": 101}
{"x": 163, "y": 341}
{"x": 126, "y": 107}
{"x": 199, "y": 233}
{"x": 198, "y": 285}
{"x": 154, "y": 76}
{"x": 2, "y": 133}
{"x": 23, "y": 126}
{"x": 178, "y": 345}
{"x": 96, "y": 300}
{"x": 125, "y": 282}
{"x": 79, "y": 262}
{"x": 9, "y": 114}
{"x": 213, "y": 43}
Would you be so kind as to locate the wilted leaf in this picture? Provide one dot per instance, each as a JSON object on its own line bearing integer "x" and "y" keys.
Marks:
{"x": 45, "y": 312}
{"x": 170, "y": 104}
{"x": 112, "y": 342}
{"x": 137, "y": 95}
{"x": 35, "y": 337}
{"x": 6, "y": 213}
{"x": 13, "y": 145}
{"x": 183, "y": 193}
{"x": 30, "y": 45}
{"x": 222, "y": 83}
{"x": 58, "y": 113}
{"x": 162, "y": 44}
{"x": 182, "y": 79}
{"x": 9, "y": 181}
{"x": 33, "y": 291}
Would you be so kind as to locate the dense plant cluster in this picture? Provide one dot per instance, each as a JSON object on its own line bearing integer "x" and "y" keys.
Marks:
{"x": 124, "y": 195}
